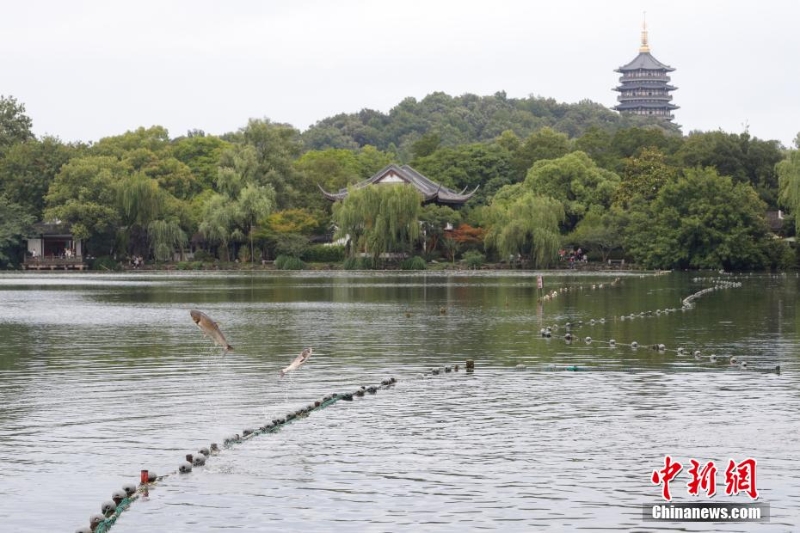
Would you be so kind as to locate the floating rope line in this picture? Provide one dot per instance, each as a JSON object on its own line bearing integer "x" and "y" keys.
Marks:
{"x": 688, "y": 303}
{"x": 550, "y": 295}
{"x": 122, "y": 499}
{"x": 607, "y": 368}
{"x": 733, "y": 361}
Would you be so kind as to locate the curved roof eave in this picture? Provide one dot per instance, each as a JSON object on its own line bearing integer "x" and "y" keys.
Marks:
{"x": 645, "y": 61}
{"x": 331, "y": 196}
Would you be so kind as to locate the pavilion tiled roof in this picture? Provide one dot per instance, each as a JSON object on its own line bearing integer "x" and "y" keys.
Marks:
{"x": 52, "y": 229}
{"x": 430, "y": 190}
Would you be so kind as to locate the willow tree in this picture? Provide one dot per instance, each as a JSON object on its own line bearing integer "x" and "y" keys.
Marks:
{"x": 140, "y": 201}
{"x": 379, "y": 219}
{"x": 254, "y": 203}
{"x": 230, "y": 215}
{"x": 217, "y": 223}
{"x": 522, "y": 223}
{"x": 789, "y": 182}
{"x": 165, "y": 236}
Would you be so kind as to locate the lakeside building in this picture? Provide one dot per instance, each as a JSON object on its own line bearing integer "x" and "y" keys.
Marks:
{"x": 52, "y": 246}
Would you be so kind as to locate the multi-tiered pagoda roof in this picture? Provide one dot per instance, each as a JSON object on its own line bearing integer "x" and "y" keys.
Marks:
{"x": 645, "y": 88}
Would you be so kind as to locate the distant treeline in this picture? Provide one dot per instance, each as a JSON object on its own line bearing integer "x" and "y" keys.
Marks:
{"x": 549, "y": 175}
{"x": 466, "y": 119}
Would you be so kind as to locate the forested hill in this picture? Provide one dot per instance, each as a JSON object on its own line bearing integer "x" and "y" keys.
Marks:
{"x": 465, "y": 119}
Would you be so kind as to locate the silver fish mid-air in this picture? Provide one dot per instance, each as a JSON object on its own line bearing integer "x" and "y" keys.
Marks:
{"x": 304, "y": 356}
{"x": 210, "y": 328}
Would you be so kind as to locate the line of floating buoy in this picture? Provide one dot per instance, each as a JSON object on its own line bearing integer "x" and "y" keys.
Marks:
{"x": 569, "y": 326}
{"x": 121, "y": 500}
{"x": 600, "y": 368}
{"x": 687, "y": 302}
{"x": 550, "y": 295}
{"x": 549, "y": 331}
{"x": 681, "y": 351}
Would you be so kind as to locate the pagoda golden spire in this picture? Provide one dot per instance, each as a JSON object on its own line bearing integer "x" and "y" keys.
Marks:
{"x": 645, "y": 48}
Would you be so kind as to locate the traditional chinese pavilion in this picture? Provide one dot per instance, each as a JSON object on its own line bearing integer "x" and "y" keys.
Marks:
{"x": 645, "y": 88}
{"x": 52, "y": 246}
{"x": 431, "y": 191}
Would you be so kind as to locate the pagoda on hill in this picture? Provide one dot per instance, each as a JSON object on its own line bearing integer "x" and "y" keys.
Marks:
{"x": 645, "y": 88}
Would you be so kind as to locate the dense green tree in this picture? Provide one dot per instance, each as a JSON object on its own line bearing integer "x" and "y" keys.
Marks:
{"x": 238, "y": 167}
{"x": 371, "y": 160}
{"x": 761, "y": 158}
{"x": 435, "y": 219}
{"x": 509, "y": 141}
{"x": 300, "y": 221}
{"x": 84, "y": 194}
{"x": 322, "y": 137}
{"x": 574, "y": 180}
{"x": 28, "y": 169}
{"x": 740, "y": 156}
{"x": 287, "y": 232}
{"x": 173, "y": 176}
{"x": 334, "y": 169}
{"x": 599, "y": 231}
{"x": 486, "y": 166}
{"x": 15, "y": 221}
{"x": 522, "y": 223}
{"x": 596, "y": 143}
{"x": 202, "y": 155}
{"x": 15, "y": 125}
{"x": 629, "y": 142}
{"x": 154, "y": 139}
{"x": 426, "y": 145}
{"x": 379, "y": 219}
{"x": 330, "y": 169}
{"x": 702, "y": 220}
{"x": 543, "y": 144}
{"x": 643, "y": 175}
{"x": 276, "y": 147}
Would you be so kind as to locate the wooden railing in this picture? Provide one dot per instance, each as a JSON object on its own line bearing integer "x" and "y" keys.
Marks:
{"x": 52, "y": 263}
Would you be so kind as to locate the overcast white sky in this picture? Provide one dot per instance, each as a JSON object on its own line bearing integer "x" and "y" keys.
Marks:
{"x": 86, "y": 69}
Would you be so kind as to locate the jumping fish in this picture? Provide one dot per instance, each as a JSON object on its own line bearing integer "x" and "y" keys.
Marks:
{"x": 298, "y": 361}
{"x": 210, "y": 328}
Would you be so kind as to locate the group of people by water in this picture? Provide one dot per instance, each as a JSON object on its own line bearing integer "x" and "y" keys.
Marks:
{"x": 573, "y": 256}
{"x": 66, "y": 253}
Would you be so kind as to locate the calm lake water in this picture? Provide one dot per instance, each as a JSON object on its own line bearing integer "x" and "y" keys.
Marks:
{"x": 103, "y": 375}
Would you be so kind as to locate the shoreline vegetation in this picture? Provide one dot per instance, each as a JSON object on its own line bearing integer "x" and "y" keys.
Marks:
{"x": 432, "y": 266}
{"x": 533, "y": 178}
